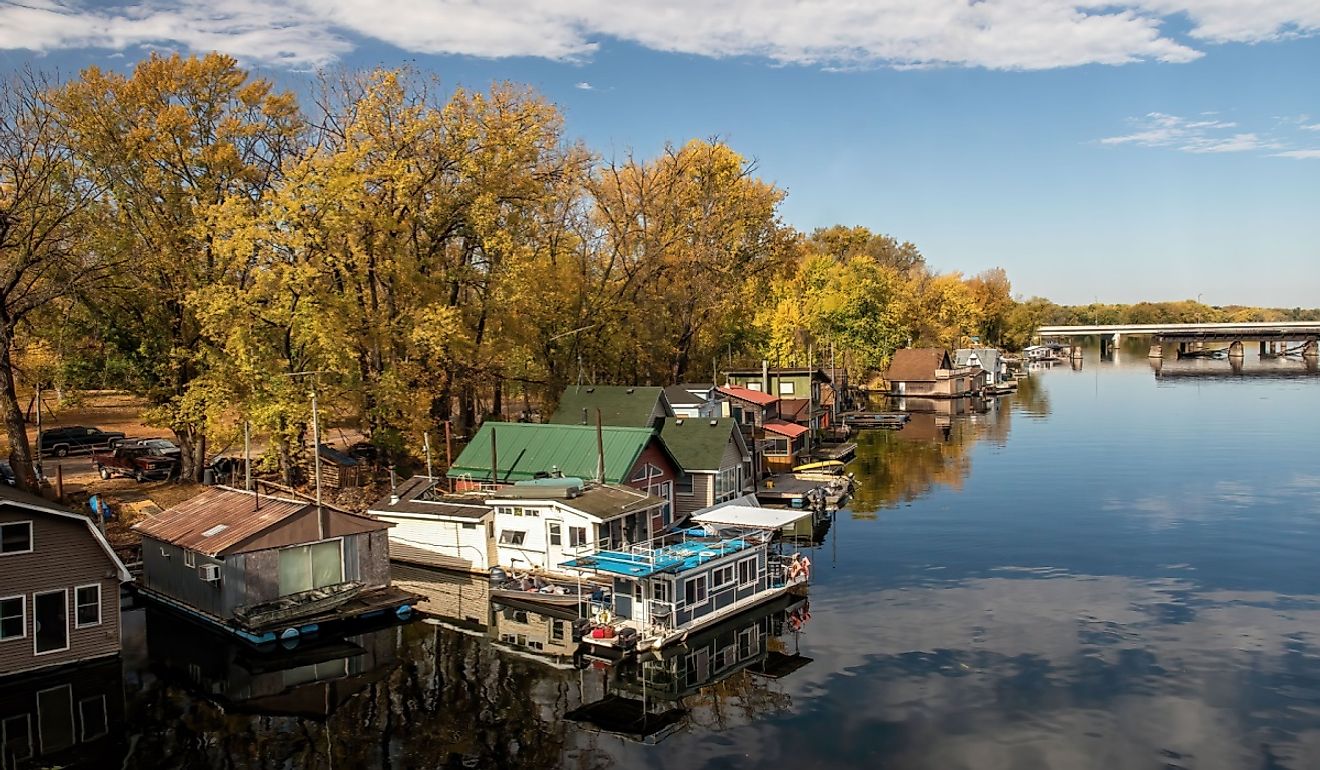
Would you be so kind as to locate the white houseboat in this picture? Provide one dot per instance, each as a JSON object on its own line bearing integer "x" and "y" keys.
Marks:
{"x": 667, "y": 588}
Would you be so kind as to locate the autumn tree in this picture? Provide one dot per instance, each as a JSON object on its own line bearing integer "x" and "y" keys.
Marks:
{"x": 177, "y": 145}
{"x": 49, "y": 238}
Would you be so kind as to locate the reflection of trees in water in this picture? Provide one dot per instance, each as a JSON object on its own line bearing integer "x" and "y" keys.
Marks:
{"x": 1031, "y": 397}
{"x": 453, "y": 702}
{"x": 894, "y": 467}
{"x": 736, "y": 700}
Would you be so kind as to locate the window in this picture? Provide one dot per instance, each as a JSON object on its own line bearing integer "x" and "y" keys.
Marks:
{"x": 87, "y": 602}
{"x": 660, "y": 591}
{"x": 16, "y": 537}
{"x": 776, "y": 446}
{"x": 16, "y": 737}
{"x": 55, "y": 719}
{"x": 556, "y": 533}
{"x": 13, "y": 617}
{"x": 304, "y": 567}
{"x": 512, "y": 537}
{"x": 694, "y": 591}
{"x": 721, "y": 577}
{"x": 577, "y": 536}
{"x": 747, "y": 572}
{"x": 684, "y": 484}
{"x": 756, "y": 386}
{"x": 469, "y": 525}
{"x": 91, "y": 714}
{"x": 189, "y": 558}
{"x": 520, "y": 616}
{"x": 557, "y": 630}
{"x": 785, "y": 388}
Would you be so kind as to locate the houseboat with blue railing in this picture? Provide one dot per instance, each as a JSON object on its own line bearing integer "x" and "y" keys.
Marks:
{"x": 664, "y": 589}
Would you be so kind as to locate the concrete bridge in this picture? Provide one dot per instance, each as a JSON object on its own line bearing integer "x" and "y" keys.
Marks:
{"x": 1274, "y": 337}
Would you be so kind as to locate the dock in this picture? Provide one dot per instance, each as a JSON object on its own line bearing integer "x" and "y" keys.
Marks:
{"x": 841, "y": 452}
{"x": 862, "y": 420}
{"x": 794, "y": 491}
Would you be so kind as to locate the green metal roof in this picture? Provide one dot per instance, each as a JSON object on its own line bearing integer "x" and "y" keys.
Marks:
{"x": 697, "y": 443}
{"x": 632, "y": 407}
{"x": 525, "y": 449}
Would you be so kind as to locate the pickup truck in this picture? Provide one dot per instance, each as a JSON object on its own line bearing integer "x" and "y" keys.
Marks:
{"x": 135, "y": 461}
{"x": 62, "y": 442}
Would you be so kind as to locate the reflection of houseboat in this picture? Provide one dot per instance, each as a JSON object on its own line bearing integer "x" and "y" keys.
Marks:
{"x": 668, "y": 588}
{"x": 1036, "y": 354}
{"x": 68, "y": 716}
{"x": 650, "y": 696}
{"x": 311, "y": 681}
{"x": 550, "y": 638}
{"x": 265, "y": 567}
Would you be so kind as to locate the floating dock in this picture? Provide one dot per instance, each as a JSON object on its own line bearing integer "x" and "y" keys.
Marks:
{"x": 860, "y": 420}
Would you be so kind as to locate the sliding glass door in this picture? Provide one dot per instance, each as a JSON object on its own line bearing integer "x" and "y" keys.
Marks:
{"x": 304, "y": 567}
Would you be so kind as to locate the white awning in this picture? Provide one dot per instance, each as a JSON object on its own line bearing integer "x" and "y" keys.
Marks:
{"x": 754, "y": 518}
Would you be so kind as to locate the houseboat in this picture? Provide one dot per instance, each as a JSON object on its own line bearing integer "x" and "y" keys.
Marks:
{"x": 998, "y": 380}
{"x": 667, "y": 588}
{"x": 267, "y": 568}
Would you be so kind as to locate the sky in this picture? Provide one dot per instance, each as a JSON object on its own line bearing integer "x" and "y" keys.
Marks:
{"x": 1111, "y": 151}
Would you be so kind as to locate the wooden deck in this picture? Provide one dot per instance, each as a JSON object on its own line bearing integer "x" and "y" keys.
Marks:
{"x": 863, "y": 420}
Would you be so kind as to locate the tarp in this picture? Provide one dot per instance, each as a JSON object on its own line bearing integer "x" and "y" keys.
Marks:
{"x": 754, "y": 518}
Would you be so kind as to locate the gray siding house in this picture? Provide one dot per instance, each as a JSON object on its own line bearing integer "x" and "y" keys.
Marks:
{"x": 716, "y": 462}
{"x": 59, "y": 586}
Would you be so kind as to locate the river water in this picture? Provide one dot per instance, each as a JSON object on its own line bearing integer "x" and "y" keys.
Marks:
{"x": 1113, "y": 568}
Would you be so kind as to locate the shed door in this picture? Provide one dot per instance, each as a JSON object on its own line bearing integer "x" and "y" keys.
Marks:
{"x": 304, "y": 567}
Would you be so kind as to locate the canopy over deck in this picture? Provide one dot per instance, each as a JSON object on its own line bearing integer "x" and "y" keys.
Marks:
{"x": 751, "y": 518}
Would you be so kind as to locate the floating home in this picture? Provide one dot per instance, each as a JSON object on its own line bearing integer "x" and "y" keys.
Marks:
{"x": 59, "y": 586}
{"x": 668, "y": 588}
{"x": 997, "y": 377}
{"x": 931, "y": 373}
{"x": 717, "y": 464}
{"x": 264, "y": 568}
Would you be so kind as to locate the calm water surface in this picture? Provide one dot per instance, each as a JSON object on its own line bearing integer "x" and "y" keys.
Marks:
{"x": 1110, "y": 569}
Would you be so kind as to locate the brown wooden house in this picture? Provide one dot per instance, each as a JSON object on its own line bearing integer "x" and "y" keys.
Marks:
{"x": 224, "y": 551}
{"x": 930, "y": 373}
{"x": 59, "y": 586}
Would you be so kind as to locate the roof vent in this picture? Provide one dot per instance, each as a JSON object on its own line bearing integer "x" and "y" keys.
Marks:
{"x": 394, "y": 498}
{"x": 591, "y": 390}
{"x": 679, "y": 421}
{"x": 217, "y": 529}
{"x": 584, "y": 415}
{"x": 630, "y": 391}
{"x": 714, "y": 423}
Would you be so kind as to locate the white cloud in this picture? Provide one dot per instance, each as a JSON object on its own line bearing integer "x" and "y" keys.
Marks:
{"x": 1299, "y": 154}
{"x": 1158, "y": 129}
{"x": 997, "y": 34}
{"x": 584, "y": 86}
{"x": 1311, "y": 127}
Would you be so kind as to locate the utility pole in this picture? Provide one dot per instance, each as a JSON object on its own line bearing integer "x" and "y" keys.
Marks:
{"x": 426, "y": 444}
{"x": 316, "y": 445}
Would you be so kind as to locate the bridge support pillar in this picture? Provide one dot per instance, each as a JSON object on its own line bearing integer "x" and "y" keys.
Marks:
{"x": 1262, "y": 348}
{"x": 1235, "y": 363}
{"x": 1311, "y": 350}
{"x": 1156, "y": 350}
{"x": 1235, "y": 350}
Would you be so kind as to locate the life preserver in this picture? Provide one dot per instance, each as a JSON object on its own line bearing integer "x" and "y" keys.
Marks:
{"x": 604, "y": 617}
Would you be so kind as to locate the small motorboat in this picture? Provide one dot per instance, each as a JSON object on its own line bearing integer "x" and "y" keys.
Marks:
{"x": 824, "y": 467}
{"x": 295, "y": 606}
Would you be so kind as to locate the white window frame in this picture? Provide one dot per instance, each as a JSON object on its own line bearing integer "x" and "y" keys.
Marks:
{"x": 554, "y": 533}
{"x": 100, "y": 614}
{"x": 754, "y": 385}
{"x": 705, "y": 580}
{"x": 715, "y": 584}
{"x": 752, "y": 561}
{"x": 189, "y": 558}
{"x": 27, "y": 725}
{"x": 522, "y": 533}
{"x": 22, "y": 614}
{"x": 786, "y": 388}
{"x": 32, "y": 537}
{"x": 82, "y": 719}
{"x": 67, "y": 640}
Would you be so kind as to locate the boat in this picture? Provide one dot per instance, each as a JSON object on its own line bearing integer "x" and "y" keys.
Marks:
{"x": 539, "y": 591}
{"x": 299, "y": 605}
{"x": 668, "y": 588}
{"x": 832, "y": 467}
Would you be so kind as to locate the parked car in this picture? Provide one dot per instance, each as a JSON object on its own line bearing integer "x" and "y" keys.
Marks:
{"x": 7, "y": 473}
{"x": 62, "y": 442}
{"x": 159, "y": 447}
{"x": 135, "y": 461}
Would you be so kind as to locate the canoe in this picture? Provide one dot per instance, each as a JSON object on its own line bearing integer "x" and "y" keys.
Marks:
{"x": 831, "y": 466}
{"x": 294, "y": 606}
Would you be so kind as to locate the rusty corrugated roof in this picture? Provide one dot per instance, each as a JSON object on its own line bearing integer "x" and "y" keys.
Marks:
{"x": 218, "y": 518}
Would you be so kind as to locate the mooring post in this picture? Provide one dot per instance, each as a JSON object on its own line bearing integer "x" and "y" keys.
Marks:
{"x": 1235, "y": 350}
{"x": 1311, "y": 350}
{"x": 1156, "y": 350}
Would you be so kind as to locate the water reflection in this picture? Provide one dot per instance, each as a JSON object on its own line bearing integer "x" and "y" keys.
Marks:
{"x": 69, "y": 717}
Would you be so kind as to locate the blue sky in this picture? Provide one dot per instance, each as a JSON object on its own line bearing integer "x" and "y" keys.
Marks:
{"x": 1151, "y": 149}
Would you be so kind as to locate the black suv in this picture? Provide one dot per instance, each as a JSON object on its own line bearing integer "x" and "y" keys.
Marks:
{"x": 76, "y": 438}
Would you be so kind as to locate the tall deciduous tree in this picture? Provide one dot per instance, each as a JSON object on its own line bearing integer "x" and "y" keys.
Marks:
{"x": 48, "y": 237}
{"x": 173, "y": 144}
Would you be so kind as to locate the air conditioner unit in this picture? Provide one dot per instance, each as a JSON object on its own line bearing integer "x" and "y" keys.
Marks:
{"x": 209, "y": 572}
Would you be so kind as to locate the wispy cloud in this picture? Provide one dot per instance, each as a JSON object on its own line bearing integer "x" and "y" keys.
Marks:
{"x": 845, "y": 34}
{"x": 1208, "y": 136}
{"x": 584, "y": 86}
